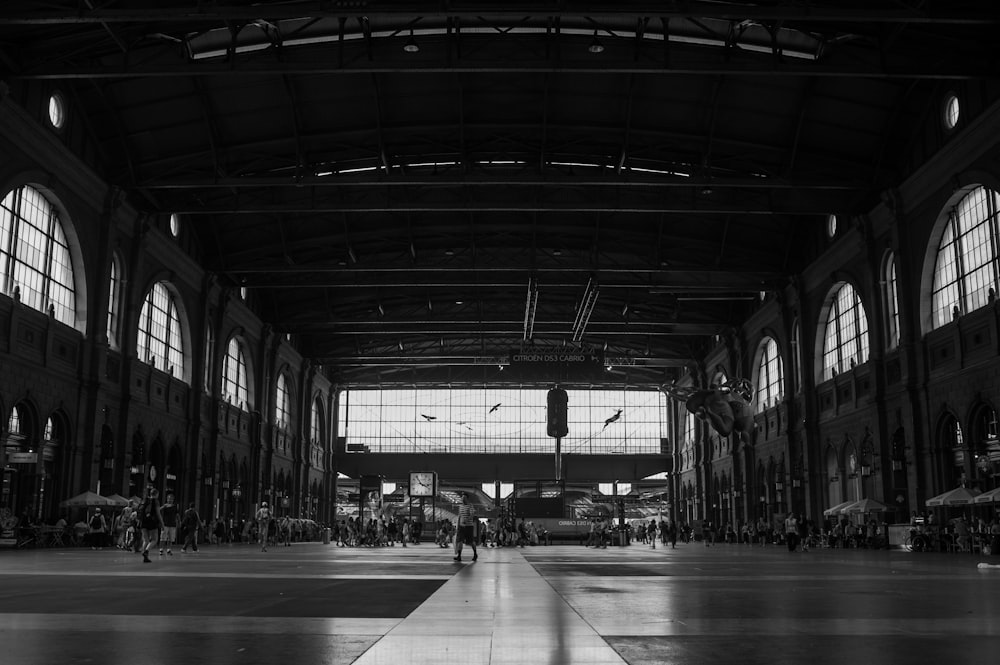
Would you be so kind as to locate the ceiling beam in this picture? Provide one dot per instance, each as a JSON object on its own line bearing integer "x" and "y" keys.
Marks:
{"x": 200, "y": 13}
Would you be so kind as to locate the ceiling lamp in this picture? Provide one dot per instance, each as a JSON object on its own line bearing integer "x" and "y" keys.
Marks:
{"x": 411, "y": 45}
{"x": 595, "y": 45}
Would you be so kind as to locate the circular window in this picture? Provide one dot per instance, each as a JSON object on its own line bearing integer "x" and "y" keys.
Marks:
{"x": 831, "y": 225}
{"x": 175, "y": 225}
{"x": 952, "y": 110}
{"x": 57, "y": 110}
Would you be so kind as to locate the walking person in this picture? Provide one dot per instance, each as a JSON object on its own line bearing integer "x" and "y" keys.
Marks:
{"x": 263, "y": 518}
{"x": 150, "y": 521}
{"x": 792, "y": 531}
{"x": 466, "y": 528}
{"x": 98, "y": 527}
{"x": 191, "y": 523}
{"x": 169, "y": 512}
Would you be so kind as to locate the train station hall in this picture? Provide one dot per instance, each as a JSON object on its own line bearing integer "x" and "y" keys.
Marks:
{"x": 470, "y": 332}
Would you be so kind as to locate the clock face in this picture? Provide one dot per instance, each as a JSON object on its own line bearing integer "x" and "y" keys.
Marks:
{"x": 422, "y": 483}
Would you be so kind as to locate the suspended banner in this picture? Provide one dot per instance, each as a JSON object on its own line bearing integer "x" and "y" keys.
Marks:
{"x": 557, "y": 364}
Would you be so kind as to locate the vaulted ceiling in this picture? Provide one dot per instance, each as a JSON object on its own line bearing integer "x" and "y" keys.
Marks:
{"x": 412, "y": 190}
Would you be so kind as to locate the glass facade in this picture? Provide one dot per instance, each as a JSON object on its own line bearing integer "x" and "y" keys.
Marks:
{"x": 501, "y": 420}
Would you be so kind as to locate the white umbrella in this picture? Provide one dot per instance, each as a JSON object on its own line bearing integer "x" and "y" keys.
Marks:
{"x": 87, "y": 500}
{"x": 120, "y": 501}
{"x": 988, "y": 497}
{"x": 868, "y": 506}
{"x": 838, "y": 509}
{"x": 960, "y": 496}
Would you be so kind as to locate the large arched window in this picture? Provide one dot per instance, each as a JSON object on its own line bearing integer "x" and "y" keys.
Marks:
{"x": 891, "y": 297}
{"x": 845, "y": 342}
{"x": 114, "y": 300}
{"x": 965, "y": 269}
{"x": 234, "y": 375}
{"x": 159, "y": 340}
{"x": 35, "y": 256}
{"x": 282, "y": 403}
{"x": 770, "y": 375}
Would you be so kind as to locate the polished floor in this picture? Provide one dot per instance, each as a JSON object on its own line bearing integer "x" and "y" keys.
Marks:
{"x": 560, "y": 605}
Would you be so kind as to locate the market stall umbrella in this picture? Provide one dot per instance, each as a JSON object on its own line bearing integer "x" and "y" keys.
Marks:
{"x": 120, "y": 501}
{"x": 867, "y": 506}
{"x": 988, "y": 497}
{"x": 838, "y": 509}
{"x": 87, "y": 500}
{"x": 960, "y": 496}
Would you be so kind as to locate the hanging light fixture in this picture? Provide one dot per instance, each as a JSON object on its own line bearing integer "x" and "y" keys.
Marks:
{"x": 411, "y": 45}
{"x": 595, "y": 45}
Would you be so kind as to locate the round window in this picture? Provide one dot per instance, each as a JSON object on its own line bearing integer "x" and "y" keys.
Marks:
{"x": 952, "y": 110}
{"x": 57, "y": 110}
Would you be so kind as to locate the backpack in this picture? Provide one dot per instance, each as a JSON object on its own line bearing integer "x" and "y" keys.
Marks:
{"x": 96, "y": 523}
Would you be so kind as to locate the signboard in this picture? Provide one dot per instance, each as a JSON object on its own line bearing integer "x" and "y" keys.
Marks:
{"x": 557, "y": 364}
{"x": 22, "y": 458}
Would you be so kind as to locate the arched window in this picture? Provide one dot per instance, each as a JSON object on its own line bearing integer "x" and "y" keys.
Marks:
{"x": 234, "y": 375}
{"x": 965, "y": 269}
{"x": 209, "y": 356}
{"x": 770, "y": 375}
{"x": 797, "y": 355}
{"x": 689, "y": 426}
{"x": 845, "y": 343}
{"x": 114, "y": 299}
{"x": 316, "y": 424}
{"x": 35, "y": 255}
{"x": 282, "y": 403}
{"x": 891, "y": 295}
{"x": 953, "y": 451}
{"x": 159, "y": 341}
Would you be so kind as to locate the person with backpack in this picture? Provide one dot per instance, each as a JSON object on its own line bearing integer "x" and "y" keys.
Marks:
{"x": 98, "y": 526}
{"x": 150, "y": 521}
{"x": 190, "y": 523}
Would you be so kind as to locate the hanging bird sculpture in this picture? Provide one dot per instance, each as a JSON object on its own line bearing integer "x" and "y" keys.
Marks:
{"x": 495, "y": 407}
{"x": 612, "y": 419}
{"x": 428, "y": 418}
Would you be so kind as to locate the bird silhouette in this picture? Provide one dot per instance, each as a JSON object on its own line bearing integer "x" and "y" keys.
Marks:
{"x": 495, "y": 407}
{"x": 428, "y": 418}
{"x": 612, "y": 419}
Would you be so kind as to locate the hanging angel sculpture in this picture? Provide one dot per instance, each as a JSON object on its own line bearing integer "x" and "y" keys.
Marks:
{"x": 726, "y": 407}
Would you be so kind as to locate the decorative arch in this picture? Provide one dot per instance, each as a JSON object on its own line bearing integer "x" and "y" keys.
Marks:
{"x": 56, "y": 447}
{"x": 984, "y": 446}
{"x": 953, "y": 454}
{"x": 21, "y": 472}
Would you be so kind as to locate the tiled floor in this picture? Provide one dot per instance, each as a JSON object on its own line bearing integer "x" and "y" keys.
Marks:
{"x": 561, "y": 605}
